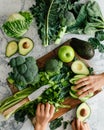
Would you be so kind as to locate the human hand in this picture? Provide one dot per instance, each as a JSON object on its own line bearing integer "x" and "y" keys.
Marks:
{"x": 91, "y": 83}
{"x": 79, "y": 125}
{"x": 44, "y": 113}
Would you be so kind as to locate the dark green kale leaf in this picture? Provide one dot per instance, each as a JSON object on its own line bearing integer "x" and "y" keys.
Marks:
{"x": 50, "y": 18}
{"x": 96, "y": 44}
{"x": 99, "y": 35}
{"x": 56, "y": 123}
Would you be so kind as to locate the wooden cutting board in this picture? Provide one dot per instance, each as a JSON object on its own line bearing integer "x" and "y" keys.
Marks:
{"x": 41, "y": 62}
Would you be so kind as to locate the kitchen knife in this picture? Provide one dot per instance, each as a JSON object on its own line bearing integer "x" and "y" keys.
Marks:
{"x": 31, "y": 97}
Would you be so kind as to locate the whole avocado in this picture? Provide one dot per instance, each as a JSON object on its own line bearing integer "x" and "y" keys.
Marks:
{"x": 82, "y": 48}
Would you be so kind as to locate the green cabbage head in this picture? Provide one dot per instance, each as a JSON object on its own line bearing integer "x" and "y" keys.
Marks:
{"x": 17, "y": 24}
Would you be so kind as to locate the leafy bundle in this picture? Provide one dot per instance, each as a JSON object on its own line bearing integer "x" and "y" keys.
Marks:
{"x": 50, "y": 18}
{"x": 17, "y": 24}
{"x": 56, "y": 17}
{"x": 87, "y": 21}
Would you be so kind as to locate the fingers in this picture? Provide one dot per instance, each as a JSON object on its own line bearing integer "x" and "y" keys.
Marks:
{"x": 87, "y": 127}
{"x": 74, "y": 124}
{"x": 81, "y": 84}
{"x": 38, "y": 110}
{"x": 47, "y": 107}
{"x": 52, "y": 109}
{"x": 84, "y": 89}
{"x": 42, "y": 109}
{"x": 78, "y": 124}
{"x": 86, "y": 93}
{"x": 82, "y": 80}
{"x": 82, "y": 127}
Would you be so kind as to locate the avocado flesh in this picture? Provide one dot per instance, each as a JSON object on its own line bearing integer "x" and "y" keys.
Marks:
{"x": 11, "y": 48}
{"x": 25, "y": 46}
{"x": 87, "y": 109}
{"x": 79, "y": 67}
{"x": 83, "y": 48}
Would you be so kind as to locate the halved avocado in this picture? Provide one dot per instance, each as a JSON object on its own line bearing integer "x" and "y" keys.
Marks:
{"x": 25, "y": 46}
{"x": 11, "y": 48}
{"x": 83, "y": 111}
{"x": 79, "y": 67}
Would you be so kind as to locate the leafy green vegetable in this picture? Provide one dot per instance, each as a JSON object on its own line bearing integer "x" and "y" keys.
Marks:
{"x": 73, "y": 17}
{"x": 99, "y": 35}
{"x": 87, "y": 21}
{"x": 96, "y": 44}
{"x": 12, "y": 100}
{"x": 51, "y": 26}
{"x": 53, "y": 66}
{"x": 56, "y": 123}
{"x": 24, "y": 71}
{"x": 65, "y": 123}
{"x": 17, "y": 24}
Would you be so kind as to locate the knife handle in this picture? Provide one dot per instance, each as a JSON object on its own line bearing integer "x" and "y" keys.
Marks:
{"x": 15, "y": 107}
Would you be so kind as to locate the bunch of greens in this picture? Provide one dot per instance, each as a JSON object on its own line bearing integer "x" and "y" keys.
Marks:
{"x": 56, "y": 17}
{"x": 55, "y": 95}
{"x": 12, "y": 100}
{"x": 87, "y": 21}
{"x": 17, "y": 24}
{"x": 50, "y": 17}
{"x": 24, "y": 71}
{"x": 96, "y": 41}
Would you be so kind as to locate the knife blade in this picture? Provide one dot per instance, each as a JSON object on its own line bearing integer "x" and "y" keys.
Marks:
{"x": 31, "y": 97}
{"x": 38, "y": 92}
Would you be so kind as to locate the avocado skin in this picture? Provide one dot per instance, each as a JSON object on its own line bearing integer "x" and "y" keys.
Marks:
{"x": 82, "y": 48}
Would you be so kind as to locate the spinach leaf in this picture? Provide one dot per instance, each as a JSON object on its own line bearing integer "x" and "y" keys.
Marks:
{"x": 87, "y": 21}
{"x": 99, "y": 35}
{"x": 56, "y": 123}
{"x": 96, "y": 44}
{"x": 65, "y": 123}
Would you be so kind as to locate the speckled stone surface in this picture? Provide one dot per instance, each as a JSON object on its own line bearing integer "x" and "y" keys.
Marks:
{"x": 8, "y": 7}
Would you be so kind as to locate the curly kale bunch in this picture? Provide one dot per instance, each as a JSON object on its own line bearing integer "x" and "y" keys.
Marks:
{"x": 24, "y": 71}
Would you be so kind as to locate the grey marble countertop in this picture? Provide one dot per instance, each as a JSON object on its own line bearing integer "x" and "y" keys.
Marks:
{"x": 8, "y": 7}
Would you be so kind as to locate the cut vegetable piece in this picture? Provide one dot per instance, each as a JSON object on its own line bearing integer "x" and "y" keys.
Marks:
{"x": 73, "y": 95}
{"x": 73, "y": 89}
{"x": 11, "y": 48}
{"x": 76, "y": 78}
{"x": 83, "y": 111}
{"x": 79, "y": 67}
{"x": 25, "y": 46}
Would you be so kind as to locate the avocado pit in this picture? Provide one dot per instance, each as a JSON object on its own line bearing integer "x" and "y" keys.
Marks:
{"x": 26, "y": 45}
{"x": 83, "y": 112}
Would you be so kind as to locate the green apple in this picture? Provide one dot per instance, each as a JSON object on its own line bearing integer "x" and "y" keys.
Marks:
{"x": 66, "y": 53}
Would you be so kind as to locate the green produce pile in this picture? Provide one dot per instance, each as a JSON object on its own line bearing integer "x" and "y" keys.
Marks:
{"x": 56, "y": 73}
{"x": 73, "y": 17}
